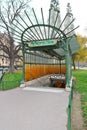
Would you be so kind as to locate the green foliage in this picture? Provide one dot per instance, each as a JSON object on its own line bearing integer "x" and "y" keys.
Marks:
{"x": 10, "y": 81}
{"x": 82, "y": 52}
{"x": 81, "y": 87}
{"x": 81, "y": 55}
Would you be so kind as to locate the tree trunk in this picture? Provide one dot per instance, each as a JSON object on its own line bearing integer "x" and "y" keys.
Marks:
{"x": 11, "y": 56}
{"x": 11, "y": 65}
{"x": 74, "y": 64}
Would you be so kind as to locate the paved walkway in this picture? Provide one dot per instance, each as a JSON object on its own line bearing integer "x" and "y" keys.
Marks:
{"x": 32, "y": 108}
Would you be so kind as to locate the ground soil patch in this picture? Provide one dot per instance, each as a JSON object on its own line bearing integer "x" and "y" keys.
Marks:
{"x": 77, "y": 118}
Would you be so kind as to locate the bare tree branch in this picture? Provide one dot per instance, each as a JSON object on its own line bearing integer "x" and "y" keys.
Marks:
{"x": 8, "y": 13}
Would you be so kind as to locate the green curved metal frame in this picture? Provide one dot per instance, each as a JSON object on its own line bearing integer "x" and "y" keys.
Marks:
{"x": 63, "y": 38}
{"x": 44, "y": 25}
{"x": 22, "y": 37}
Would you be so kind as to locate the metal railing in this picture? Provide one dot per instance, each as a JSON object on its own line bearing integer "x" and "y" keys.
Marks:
{"x": 70, "y": 107}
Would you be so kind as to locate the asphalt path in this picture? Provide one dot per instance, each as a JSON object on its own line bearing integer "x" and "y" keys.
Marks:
{"x": 32, "y": 108}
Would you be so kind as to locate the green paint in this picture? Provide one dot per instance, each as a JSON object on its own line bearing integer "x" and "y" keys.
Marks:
{"x": 68, "y": 65}
{"x": 23, "y": 69}
{"x": 42, "y": 43}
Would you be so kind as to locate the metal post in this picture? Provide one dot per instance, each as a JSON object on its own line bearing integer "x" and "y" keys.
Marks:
{"x": 23, "y": 69}
{"x": 68, "y": 66}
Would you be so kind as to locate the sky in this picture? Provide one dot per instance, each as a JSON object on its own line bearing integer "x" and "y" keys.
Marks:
{"x": 79, "y": 10}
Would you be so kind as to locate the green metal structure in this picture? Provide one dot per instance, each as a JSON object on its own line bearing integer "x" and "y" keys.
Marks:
{"x": 41, "y": 39}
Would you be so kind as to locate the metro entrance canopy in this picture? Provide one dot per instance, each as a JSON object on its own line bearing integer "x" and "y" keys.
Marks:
{"x": 36, "y": 35}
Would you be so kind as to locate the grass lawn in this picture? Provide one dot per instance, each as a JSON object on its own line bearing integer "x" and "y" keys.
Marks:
{"x": 81, "y": 87}
{"x": 10, "y": 81}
